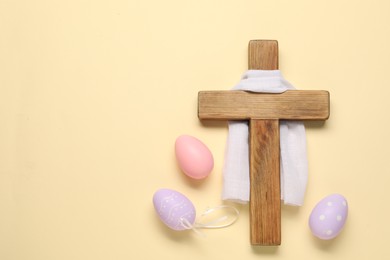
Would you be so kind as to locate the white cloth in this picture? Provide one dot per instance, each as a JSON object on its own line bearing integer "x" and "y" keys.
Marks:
{"x": 293, "y": 158}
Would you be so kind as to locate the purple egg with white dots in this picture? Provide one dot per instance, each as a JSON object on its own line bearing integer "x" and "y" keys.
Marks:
{"x": 328, "y": 217}
{"x": 174, "y": 209}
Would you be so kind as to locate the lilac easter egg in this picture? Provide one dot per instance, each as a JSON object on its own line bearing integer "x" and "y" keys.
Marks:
{"x": 193, "y": 156}
{"x": 328, "y": 217}
{"x": 174, "y": 209}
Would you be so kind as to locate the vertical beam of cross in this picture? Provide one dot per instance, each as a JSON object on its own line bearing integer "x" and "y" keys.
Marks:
{"x": 264, "y": 205}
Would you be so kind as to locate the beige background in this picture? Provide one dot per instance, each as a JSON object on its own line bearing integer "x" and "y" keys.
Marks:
{"x": 94, "y": 93}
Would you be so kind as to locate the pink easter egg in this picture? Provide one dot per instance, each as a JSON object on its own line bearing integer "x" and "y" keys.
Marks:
{"x": 328, "y": 217}
{"x": 194, "y": 157}
{"x": 174, "y": 209}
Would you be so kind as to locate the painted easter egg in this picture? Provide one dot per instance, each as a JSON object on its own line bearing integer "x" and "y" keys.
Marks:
{"x": 328, "y": 217}
{"x": 194, "y": 157}
{"x": 174, "y": 209}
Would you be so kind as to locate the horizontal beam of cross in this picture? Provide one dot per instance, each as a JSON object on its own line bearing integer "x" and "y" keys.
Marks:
{"x": 242, "y": 105}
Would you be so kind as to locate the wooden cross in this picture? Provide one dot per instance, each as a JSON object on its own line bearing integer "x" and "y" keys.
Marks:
{"x": 264, "y": 112}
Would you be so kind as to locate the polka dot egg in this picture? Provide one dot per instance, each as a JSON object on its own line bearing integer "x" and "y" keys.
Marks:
{"x": 174, "y": 209}
{"x": 328, "y": 217}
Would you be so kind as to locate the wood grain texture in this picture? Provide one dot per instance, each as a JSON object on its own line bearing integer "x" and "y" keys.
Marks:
{"x": 264, "y": 204}
{"x": 263, "y": 55}
{"x": 265, "y": 215}
{"x": 242, "y": 105}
